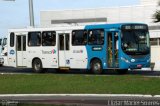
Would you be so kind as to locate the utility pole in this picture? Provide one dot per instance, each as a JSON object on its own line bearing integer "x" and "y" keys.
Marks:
{"x": 31, "y": 13}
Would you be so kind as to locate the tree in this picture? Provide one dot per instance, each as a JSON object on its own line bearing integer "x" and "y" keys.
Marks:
{"x": 156, "y": 15}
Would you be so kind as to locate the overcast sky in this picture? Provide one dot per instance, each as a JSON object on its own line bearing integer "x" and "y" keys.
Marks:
{"x": 14, "y": 14}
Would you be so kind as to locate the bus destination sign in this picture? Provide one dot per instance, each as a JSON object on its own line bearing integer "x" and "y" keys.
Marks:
{"x": 134, "y": 27}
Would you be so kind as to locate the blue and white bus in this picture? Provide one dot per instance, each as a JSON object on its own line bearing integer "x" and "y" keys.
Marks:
{"x": 96, "y": 48}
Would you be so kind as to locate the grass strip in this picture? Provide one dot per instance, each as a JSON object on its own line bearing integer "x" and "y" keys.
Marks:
{"x": 78, "y": 84}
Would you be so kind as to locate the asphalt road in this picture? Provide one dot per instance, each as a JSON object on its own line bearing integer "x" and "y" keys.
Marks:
{"x": 11, "y": 70}
{"x": 83, "y": 100}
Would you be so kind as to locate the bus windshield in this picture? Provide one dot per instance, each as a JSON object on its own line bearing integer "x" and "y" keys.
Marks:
{"x": 135, "y": 42}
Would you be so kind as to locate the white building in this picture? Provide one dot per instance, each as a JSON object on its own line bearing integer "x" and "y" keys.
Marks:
{"x": 136, "y": 13}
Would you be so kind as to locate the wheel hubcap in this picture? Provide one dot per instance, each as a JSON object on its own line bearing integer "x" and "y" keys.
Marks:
{"x": 37, "y": 66}
{"x": 97, "y": 67}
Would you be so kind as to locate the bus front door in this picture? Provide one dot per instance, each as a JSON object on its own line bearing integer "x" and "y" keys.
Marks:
{"x": 21, "y": 50}
{"x": 112, "y": 51}
{"x": 64, "y": 47}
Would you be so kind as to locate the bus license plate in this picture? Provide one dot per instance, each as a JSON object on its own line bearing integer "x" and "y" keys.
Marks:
{"x": 139, "y": 66}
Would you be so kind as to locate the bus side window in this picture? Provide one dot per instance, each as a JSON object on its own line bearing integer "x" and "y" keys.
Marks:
{"x": 79, "y": 37}
{"x": 19, "y": 43}
{"x": 12, "y": 39}
{"x": 0, "y": 41}
{"x": 4, "y": 42}
{"x": 96, "y": 37}
{"x": 116, "y": 40}
{"x": 61, "y": 42}
{"x": 67, "y": 41}
{"x": 34, "y": 38}
{"x": 49, "y": 38}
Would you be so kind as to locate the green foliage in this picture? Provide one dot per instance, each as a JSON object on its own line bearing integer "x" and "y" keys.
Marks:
{"x": 157, "y": 16}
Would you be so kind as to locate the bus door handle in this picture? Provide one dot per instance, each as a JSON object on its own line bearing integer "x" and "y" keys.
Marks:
{"x": 43, "y": 58}
{"x": 71, "y": 58}
{"x": 24, "y": 58}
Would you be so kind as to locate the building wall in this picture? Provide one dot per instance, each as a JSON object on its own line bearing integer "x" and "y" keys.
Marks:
{"x": 146, "y": 2}
{"x": 142, "y": 13}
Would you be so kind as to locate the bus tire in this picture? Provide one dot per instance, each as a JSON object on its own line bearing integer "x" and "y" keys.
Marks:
{"x": 122, "y": 71}
{"x": 96, "y": 67}
{"x": 37, "y": 66}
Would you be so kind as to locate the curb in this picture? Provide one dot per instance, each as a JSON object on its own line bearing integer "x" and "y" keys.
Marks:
{"x": 79, "y": 95}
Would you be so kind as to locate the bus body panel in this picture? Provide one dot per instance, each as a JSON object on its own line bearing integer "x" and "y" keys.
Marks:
{"x": 78, "y": 57}
{"x": 49, "y": 57}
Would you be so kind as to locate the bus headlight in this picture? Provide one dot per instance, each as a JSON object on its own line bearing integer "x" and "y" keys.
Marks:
{"x": 124, "y": 59}
{"x": 133, "y": 60}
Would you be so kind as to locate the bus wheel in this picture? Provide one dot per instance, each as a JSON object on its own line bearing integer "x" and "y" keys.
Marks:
{"x": 37, "y": 66}
{"x": 122, "y": 71}
{"x": 96, "y": 67}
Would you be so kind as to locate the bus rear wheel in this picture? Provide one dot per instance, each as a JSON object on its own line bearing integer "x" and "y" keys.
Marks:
{"x": 122, "y": 71}
{"x": 96, "y": 67}
{"x": 37, "y": 66}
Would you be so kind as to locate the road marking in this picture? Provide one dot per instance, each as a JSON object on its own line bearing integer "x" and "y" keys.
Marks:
{"x": 16, "y": 73}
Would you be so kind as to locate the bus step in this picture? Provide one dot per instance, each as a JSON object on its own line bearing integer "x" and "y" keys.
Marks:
{"x": 64, "y": 68}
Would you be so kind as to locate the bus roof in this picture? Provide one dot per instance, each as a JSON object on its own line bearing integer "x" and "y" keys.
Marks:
{"x": 63, "y": 28}
{"x": 108, "y": 26}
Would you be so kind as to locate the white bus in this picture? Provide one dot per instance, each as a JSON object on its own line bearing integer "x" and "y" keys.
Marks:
{"x": 42, "y": 48}
{"x": 94, "y": 47}
{"x": 3, "y": 49}
{"x": 3, "y": 44}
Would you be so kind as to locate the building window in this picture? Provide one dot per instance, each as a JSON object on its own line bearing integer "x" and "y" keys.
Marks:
{"x": 96, "y": 37}
{"x": 154, "y": 41}
{"x": 79, "y": 37}
{"x": 34, "y": 38}
{"x": 49, "y": 38}
{"x": 12, "y": 39}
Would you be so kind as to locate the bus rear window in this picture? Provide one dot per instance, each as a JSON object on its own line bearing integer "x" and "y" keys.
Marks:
{"x": 49, "y": 38}
{"x": 96, "y": 37}
{"x": 12, "y": 39}
{"x": 34, "y": 38}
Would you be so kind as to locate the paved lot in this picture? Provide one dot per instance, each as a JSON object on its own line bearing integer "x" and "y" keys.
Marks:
{"x": 83, "y": 100}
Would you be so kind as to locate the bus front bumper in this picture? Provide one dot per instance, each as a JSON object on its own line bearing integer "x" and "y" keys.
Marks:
{"x": 126, "y": 64}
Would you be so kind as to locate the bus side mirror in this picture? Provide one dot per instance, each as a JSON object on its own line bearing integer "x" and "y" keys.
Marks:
{"x": 6, "y": 54}
{"x": 2, "y": 48}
